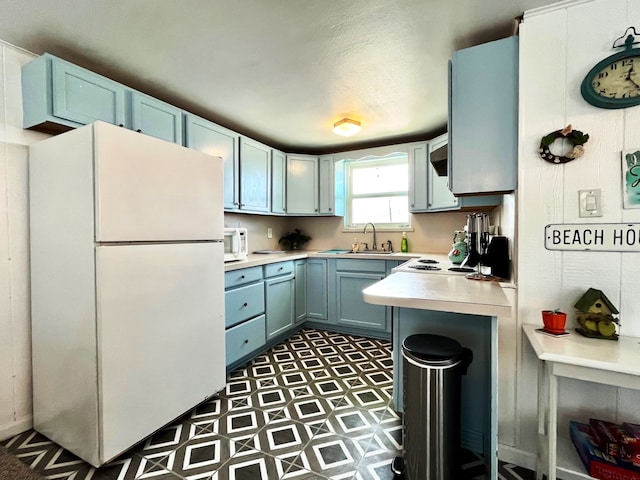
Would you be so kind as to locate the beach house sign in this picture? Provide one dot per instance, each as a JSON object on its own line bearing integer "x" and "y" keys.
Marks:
{"x": 596, "y": 237}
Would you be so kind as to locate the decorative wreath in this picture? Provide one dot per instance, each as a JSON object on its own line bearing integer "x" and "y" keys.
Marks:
{"x": 576, "y": 137}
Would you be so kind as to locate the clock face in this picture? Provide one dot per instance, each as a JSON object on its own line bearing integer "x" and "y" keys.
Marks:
{"x": 614, "y": 82}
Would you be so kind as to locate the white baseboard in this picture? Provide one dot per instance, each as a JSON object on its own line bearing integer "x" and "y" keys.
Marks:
{"x": 509, "y": 454}
{"x": 21, "y": 425}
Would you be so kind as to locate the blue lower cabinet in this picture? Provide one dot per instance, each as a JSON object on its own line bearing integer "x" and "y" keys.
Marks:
{"x": 244, "y": 306}
{"x": 347, "y": 308}
{"x": 243, "y": 303}
{"x": 471, "y": 331}
{"x": 244, "y": 339}
{"x": 280, "y": 304}
{"x": 352, "y": 310}
{"x": 317, "y": 303}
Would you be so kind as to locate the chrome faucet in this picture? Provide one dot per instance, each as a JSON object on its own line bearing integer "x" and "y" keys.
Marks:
{"x": 375, "y": 245}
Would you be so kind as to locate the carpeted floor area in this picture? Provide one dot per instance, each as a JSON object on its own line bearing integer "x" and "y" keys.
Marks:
{"x": 13, "y": 469}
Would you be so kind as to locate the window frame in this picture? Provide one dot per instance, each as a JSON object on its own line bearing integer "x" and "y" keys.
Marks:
{"x": 350, "y": 165}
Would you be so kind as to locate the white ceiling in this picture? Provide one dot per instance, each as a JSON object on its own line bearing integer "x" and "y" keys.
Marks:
{"x": 281, "y": 71}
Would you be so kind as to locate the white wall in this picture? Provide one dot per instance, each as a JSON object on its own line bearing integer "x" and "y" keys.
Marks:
{"x": 558, "y": 46}
{"x": 15, "y": 338}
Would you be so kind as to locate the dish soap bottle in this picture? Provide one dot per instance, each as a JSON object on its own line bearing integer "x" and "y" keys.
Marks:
{"x": 404, "y": 243}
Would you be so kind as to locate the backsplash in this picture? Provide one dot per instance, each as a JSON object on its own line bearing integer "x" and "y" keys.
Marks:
{"x": 430, "y": 232}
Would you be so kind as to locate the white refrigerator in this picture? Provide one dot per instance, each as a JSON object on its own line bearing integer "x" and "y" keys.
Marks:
{"x": 127, "y": 286}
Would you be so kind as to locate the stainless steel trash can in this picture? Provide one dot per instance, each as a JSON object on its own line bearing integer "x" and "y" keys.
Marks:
{"x": 433, "y": 366}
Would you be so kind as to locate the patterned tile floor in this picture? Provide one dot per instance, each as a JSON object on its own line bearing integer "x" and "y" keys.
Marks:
{"x": 316, "y": 406}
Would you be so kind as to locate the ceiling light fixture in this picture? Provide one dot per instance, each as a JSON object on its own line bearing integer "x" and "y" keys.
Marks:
{"x": 346, "y": 127}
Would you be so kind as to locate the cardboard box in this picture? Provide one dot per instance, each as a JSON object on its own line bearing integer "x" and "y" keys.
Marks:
{"x": 608, "y": 436}
{"x": 599, "y": 464}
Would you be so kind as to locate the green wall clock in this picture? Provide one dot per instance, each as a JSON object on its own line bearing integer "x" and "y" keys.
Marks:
{"x": 614, "y": 82}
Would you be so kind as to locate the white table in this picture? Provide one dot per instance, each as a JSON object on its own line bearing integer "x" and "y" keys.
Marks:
{"x": 607, "y": 362}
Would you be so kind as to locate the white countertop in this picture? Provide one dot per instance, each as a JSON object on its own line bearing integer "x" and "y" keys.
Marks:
{"x": 621, "y": 356}
{"x": 445, "y": 293}
{"x": 256, "y": 259}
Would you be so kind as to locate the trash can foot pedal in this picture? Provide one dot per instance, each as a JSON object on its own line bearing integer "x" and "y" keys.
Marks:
{"x": 397, "y": 466}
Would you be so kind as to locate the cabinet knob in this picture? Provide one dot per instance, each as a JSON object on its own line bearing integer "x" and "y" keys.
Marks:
{"x": 121, "y": 124}
{"x": 315, "y": 209}
{"x": 245, "y": 304}
{"x": 242, "y": 277}
{"x": 246, "y": 340}
{"x": 139, "y": 130}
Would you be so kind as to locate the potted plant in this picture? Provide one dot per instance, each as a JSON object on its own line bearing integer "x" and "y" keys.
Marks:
{"x": 554, "y": 320}
{"x": 294, "y": 240}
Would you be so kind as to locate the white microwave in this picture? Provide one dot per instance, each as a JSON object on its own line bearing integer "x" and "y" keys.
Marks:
{"x": 235, "y": 244}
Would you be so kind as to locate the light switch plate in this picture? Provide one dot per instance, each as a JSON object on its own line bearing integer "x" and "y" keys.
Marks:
{"x": 590, "y": 202}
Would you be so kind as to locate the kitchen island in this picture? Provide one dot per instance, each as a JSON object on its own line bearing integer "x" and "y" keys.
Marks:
{"x": 469, "y": 311}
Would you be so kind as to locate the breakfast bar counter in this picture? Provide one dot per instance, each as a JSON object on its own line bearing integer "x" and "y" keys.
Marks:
{"x": 469, "y": 311}
{"x": 443, "y": 293}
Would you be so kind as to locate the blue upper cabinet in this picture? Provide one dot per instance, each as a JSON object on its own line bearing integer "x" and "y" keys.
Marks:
{"x": 58, "y": 95}
{"x": 418, "y": 153}
{"x": 302, "y": 185}
{"x": 483, "y": 118}
{"x": 156, "y": 118}
{"x": 207, "y": 137}
{"x": 278, "y": 182}
{"x": 255, "y": 176}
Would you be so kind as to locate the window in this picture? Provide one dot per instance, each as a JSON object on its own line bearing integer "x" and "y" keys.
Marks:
{"x": 377, "y": 191}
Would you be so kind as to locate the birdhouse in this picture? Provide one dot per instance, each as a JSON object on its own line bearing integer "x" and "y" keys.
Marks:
{"x": 595, "y": 301}
{"x": 596, "y": 315}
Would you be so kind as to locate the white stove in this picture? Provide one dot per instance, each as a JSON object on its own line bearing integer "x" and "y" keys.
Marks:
{"x": 432, "y": 264}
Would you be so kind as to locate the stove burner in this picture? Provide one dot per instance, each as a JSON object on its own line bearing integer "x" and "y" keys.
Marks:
{"x": 428, "y": 260}
{"x": 461, "y": 269}
{"x": 425, "y": 267}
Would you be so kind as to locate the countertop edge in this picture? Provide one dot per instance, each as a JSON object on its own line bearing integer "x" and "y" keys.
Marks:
{"x": 439, "y": 293}
{"x": 257, "y": 259}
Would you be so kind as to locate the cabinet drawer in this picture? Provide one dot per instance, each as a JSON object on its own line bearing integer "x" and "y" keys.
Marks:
{"x": 280, "y": 268}
{"x": 243, "y": 303}
{"x": 350, "y": 265}
{"x": 245, "y": 338}
{"x": 235, "y": 278}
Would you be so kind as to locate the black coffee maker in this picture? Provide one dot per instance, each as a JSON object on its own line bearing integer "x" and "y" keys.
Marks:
{"x": 497, "y": 257}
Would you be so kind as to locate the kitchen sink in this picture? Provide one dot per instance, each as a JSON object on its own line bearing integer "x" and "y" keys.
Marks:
{"x": 335, "y": 251}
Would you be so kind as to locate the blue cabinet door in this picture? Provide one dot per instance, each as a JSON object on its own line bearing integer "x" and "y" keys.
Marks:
{"x": 278, "y": 182}
{"x": 352, "y": 310}
{"x": 302, "y": 185}
{"x": 244, "y": 339}
{"x": 317, "y": 303}
{"x": 58, "y": 95}
{"x": 300, "y": 290}
{"x": 156, "y": 118}
{"x": 327, "y": 201}
{"x": 255, "y": 176}
{"x": 418, "y": 158}
{"x": 483, "y": 118}
{"x": 207, "y": 137}
{"x": 279, "y": 298}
